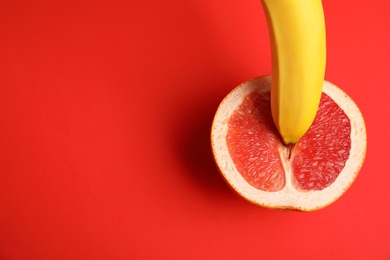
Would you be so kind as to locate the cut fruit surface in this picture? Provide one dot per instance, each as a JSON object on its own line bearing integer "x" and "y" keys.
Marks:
{"x": 308, "y": 175}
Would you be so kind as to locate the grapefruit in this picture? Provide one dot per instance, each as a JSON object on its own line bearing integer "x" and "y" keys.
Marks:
{"x": 306, "y": 176}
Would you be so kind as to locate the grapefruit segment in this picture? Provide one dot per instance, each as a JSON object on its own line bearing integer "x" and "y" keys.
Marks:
{"x": 253, "y": 142}
{"x": 309, "y": 175}
{"x": 320, "y": 155}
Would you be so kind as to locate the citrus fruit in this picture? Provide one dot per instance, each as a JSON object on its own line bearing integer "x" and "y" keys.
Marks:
{"x": 309, "y": 175}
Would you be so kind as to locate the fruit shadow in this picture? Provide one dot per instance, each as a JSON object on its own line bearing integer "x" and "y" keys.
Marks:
{"x": 193, "y": 146}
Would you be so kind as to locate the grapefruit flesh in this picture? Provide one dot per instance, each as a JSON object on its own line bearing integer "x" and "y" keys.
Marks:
{"x": 320, "y": 155}
{"x": 253, "y": 142}
{"x": 308, "y": 175}
{"x": 317, "y": 159}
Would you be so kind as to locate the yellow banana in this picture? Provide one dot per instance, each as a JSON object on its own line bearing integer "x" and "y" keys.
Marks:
{"x": 298, "y": 46}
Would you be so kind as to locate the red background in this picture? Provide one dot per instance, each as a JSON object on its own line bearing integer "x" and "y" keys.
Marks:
{"x": 105, "y": 112}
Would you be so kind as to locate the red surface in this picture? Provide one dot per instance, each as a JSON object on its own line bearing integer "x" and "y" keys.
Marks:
{"x": 105, "y": 111}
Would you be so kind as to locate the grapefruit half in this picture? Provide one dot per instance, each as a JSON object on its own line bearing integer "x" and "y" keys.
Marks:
{"x": 308, "y": 175}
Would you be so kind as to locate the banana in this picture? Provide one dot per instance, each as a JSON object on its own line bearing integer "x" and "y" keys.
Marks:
{"x": 298, "y": 50}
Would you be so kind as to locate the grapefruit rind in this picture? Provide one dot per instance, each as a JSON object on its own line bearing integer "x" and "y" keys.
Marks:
{"x": 289, "y": 197}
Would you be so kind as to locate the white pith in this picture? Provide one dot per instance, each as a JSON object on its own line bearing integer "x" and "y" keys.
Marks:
{"x": 289, "y": 196}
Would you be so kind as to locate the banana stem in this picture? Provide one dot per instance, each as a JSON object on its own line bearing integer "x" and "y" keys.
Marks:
{"x": 290, "y": 149}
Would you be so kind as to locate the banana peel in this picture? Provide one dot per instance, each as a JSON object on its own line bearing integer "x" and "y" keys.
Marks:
{"x": 298, "y": 47}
